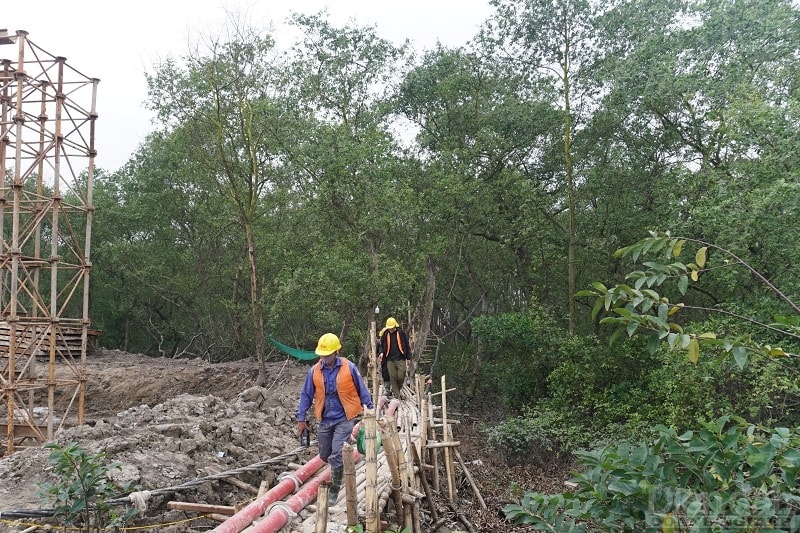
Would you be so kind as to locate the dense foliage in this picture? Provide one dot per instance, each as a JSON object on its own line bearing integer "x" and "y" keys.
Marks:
{"x": 727, "y": 476}
{"x": 478, "y": 194}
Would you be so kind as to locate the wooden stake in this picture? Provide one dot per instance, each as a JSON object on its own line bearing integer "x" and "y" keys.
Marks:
{"x": 351, "y": 498}
{"x": 371, "y": 510}
{"x": 424, "y": 481}
{"x": 469, "y": 478}
{"x": 448, "y": 459}
{"x": 322, "y": 506}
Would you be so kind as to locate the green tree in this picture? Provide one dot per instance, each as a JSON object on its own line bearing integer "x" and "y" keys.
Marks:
{"x": 548, "y": 42}
{"x": 223, "y": 105}
{"x": 481, "y": 213}
{"x": 694, "y": 126}
{"x": 354, "y": 182}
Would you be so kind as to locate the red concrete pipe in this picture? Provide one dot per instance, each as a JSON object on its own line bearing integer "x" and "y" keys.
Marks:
{"x": 256, "y": 508}
{"x": 278, "y": 516}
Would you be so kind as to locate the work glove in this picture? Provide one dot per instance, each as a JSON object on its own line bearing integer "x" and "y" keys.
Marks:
{"x": 301, "y": 425}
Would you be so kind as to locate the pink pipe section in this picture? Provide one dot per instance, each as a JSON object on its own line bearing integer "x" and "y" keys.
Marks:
{"x": 256, "y": 508}
{"x": 279, "y": 516}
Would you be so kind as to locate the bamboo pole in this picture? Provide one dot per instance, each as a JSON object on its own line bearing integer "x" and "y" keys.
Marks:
{"x": 371, "y": 510}
{"x": 434, "y": 457}
{"x": 425, "y": 487}
{"x": 202, "y": 508}
{"x": 448, "y": 459}
{"x": 373, "y": 362}
{"x": 445, "y": 444}
{"x": 351, "y": 498}
{"x": 322, "y": 506}
{"x": 470, "y": 480}
{"x": 388, "y": 431}
{"x": 423, "y": 419}
{"x": 408, "y": 461}
{"x": 408, "y": 521}
{"x": 417, "y": 525}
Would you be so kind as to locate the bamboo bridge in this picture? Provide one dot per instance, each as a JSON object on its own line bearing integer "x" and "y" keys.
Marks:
{"x": 384, "y": 488}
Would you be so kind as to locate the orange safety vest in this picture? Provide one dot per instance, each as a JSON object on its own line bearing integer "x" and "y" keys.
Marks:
{"x": 345, "y": 388}
{"x": 389, "y": 344}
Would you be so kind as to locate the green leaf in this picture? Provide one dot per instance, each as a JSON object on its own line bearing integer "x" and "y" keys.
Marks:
{"x": 683, "y": 284}
{"x": 599, "y": 286}
{"x": 740, "y": 356}
{"x": 693, "y": 351}
{"x": 700, "y": 256}
{"x": 598, "y": 306}
{"x": 653, "y": 343}
{"x": 678, "y": 248}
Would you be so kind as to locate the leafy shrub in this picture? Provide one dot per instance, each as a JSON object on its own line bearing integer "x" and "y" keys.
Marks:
{"x": 728, "y": 476}
{"x": 83, "y": 489}
{"x": 538, "y": 436}
{"x": 520, "y": 351}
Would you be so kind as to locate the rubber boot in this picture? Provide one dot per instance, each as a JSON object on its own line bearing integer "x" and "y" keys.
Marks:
{"x": 336, "y": 484}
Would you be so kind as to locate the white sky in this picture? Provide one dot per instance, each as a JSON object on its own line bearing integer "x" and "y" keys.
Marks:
{"x": 117, "y": 41}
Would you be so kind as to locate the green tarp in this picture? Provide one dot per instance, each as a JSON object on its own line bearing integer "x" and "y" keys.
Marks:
{"x": 303, "y": 355}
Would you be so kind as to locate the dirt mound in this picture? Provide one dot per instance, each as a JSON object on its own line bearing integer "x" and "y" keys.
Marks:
{"x": 149, "y": 414}
{"x": 173, "y": 422}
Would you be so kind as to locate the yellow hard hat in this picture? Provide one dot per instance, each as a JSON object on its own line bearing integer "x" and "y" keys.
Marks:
{"x": 391, "y": 322}
{"x": 327, "y": 344}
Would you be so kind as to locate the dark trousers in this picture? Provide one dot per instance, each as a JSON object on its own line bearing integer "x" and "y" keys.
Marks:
{"x": 331, "y": 438}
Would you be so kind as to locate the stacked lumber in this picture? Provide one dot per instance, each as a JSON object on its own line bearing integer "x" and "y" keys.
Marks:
{"x": 34, "y": 339}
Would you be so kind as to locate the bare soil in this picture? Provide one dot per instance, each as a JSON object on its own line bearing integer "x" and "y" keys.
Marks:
{"x": 171, "y": 422}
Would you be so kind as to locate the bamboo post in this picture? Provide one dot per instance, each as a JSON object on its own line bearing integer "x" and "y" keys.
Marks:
{"x": 388, "y": 431}
{"x": 448, "y": 458}
{"x": 408, "y": 521}
{"x": 373, "y": 364}
{"x": 417, "y": 525}
{"x": 469, "y": 478}
{"x": 423, "y": 409}
{"x": 434, "y": 456}
{"x": 322, "y": 506}
{"x": 407, "y": 461}
{"x": 425, "y": 487}
{"x": 371, "y": 510}
{"x": 351, "y": 498}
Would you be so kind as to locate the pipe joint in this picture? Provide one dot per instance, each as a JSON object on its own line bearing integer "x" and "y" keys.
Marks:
{"x": 283, "y": 506}
{"x": 293, "y": 477}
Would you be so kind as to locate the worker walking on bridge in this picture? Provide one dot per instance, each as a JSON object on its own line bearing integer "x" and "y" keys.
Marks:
{"x": 397, "y": 352}
{"x": 338, "y": 394}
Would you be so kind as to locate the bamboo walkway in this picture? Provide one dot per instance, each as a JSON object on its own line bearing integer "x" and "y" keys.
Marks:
{"x": 385, "y": 488}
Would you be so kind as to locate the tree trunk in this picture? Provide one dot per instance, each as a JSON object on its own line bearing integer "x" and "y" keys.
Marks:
{"x": 570, "y": 191}
{"x": 255, "y": 302}
{"x": 477, "y": 368}
{"x": 421, "y": 338}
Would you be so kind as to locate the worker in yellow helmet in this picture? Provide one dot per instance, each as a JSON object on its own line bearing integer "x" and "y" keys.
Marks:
{"x": 337, "y": 392}
{"x": 397, "y": 353}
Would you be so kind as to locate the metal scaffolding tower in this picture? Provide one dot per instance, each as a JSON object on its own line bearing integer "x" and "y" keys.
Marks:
{"x": 47, "y": 153}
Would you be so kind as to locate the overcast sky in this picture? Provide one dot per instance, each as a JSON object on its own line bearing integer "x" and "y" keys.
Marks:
{"x": 118, "y": 41}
